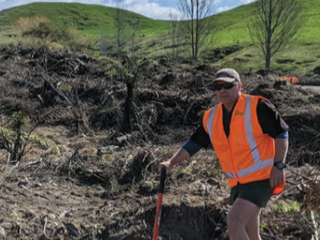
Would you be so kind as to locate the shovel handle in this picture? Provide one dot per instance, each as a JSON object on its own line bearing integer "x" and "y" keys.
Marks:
{"x": 159, "y": 204}
{"x": 162, "y": 179}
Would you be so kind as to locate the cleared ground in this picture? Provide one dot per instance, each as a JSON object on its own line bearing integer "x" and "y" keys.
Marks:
{"x": 102, "y": 184}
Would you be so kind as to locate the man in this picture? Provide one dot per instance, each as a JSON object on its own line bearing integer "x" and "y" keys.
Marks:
{"x": 251, "y": 141}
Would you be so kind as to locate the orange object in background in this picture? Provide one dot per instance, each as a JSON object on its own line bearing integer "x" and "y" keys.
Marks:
{"x": 290, "y": 79}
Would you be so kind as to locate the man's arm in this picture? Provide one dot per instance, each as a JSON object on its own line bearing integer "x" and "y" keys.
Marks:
{"x": 197, "y": 140}
{"x": 178, "y": 157}
{"x": 273, "y": 125}
{"x": 281, "y": 149}
{"x": 270, "y": 120}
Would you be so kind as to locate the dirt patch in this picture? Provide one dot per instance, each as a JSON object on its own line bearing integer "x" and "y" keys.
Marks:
{"x": 102, "y": 184}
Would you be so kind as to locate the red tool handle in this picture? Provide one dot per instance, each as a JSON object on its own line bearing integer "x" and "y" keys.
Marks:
{"x": 159, "y": 205}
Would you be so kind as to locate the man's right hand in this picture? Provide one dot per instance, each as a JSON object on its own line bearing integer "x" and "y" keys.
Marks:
{"x": 181, "y": 155}
{"x": 167, "y": 164}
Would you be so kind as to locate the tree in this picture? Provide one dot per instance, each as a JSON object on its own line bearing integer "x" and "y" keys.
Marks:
{"x": 175, "y": 34}
{"x": 133, "y": 25}
{"x": 120, "y": 23}
{"x": 196, "y": 24}
{"x": 103, "y": 43}
{"x": 277, "y": 22}
{"x": 131, "y": 70}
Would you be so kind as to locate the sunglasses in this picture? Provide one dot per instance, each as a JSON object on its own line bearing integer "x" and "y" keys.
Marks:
{"x": 226, "y": 86}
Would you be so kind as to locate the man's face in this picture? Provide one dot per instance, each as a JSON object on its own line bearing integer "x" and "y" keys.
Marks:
{"x": 228, "y": 96}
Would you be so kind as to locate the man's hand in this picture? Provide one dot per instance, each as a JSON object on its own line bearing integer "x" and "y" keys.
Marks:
{"x": 276, "y": 177}
{"x": 178, "y": 157}
{"x": 167, "y": 164}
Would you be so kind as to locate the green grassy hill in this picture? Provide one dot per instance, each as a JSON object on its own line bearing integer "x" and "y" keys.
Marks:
{"x": 233, "y": 24}
{"x": 91, "y": 20}
{"x": 231, "y": 30}
{"x": 301, "y": 56}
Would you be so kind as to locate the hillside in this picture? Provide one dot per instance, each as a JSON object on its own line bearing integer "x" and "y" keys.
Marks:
{"x": 91, "y": 20}
{"x": 233, "y": 24}
{"x": 231, "y": 44}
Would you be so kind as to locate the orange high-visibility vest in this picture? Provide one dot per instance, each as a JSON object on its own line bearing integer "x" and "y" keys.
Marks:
{"x": 247, "y": 155}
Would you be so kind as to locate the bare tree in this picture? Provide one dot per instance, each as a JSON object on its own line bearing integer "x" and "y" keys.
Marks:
{"x": 196, "y": 24}
{"x": 277, "y": 22}
{"x": 103, "y": 42}
{"x": 175, "y": 34}
{"x": 120, "y": 23}
{"x": 133, "y": 26}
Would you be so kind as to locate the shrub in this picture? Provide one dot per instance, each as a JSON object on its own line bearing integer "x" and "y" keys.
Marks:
{"x": 15, "y": 135}
{"x": 39, "y": 31}
{"x": 36, "y": 29}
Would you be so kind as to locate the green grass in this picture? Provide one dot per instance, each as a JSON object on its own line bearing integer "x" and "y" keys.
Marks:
{"x": 232, "y": 29}
{"x": 287, "y": 207}
{"x": 91, "y": 20}
{"x": 305, "y": 57}
{"x": 232, "y": 25}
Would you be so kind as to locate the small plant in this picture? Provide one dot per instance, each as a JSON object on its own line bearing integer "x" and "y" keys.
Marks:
{"x": 185, "y": 171}
{"x": 262, "y": 226}
{"x": 114, "y": 186}
{"x": 15, "y": 135}
{"x": 131, "y": 70}
{"x": 214, "y": 171}
{"x": 45, "y": 143}
{"x": 286, "y": 207}
{"x": 12, "y": 138}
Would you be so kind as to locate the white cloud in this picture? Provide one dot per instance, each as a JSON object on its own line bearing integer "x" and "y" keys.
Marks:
{"x": 247, "y": 1}
{"x": 223, "y": 9}
{"x": 147, "y": 8}
{"x": 153, "y": 10}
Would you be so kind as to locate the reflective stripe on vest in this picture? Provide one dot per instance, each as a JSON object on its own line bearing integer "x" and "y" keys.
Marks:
{"x": 252, "y": 143}
{"x": 210, "y": 120}
{"x": 258, "y": 163}
{"x": 230, "y": 175}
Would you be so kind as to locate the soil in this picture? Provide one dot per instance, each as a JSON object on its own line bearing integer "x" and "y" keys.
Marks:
{"x": 103, "y": 183}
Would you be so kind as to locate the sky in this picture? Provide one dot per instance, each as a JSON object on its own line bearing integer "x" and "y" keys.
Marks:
{"x": 156, "y": 9}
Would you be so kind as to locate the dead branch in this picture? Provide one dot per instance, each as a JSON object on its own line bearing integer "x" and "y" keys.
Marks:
{"x": 58, "y": 91}
{"x": 315, "y": 226}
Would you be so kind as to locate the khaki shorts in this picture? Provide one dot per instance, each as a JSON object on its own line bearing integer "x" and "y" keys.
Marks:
{"x": 258, "y": 192}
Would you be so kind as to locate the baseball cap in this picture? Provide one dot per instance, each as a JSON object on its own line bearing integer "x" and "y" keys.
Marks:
{"x": 227, "y": 75}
